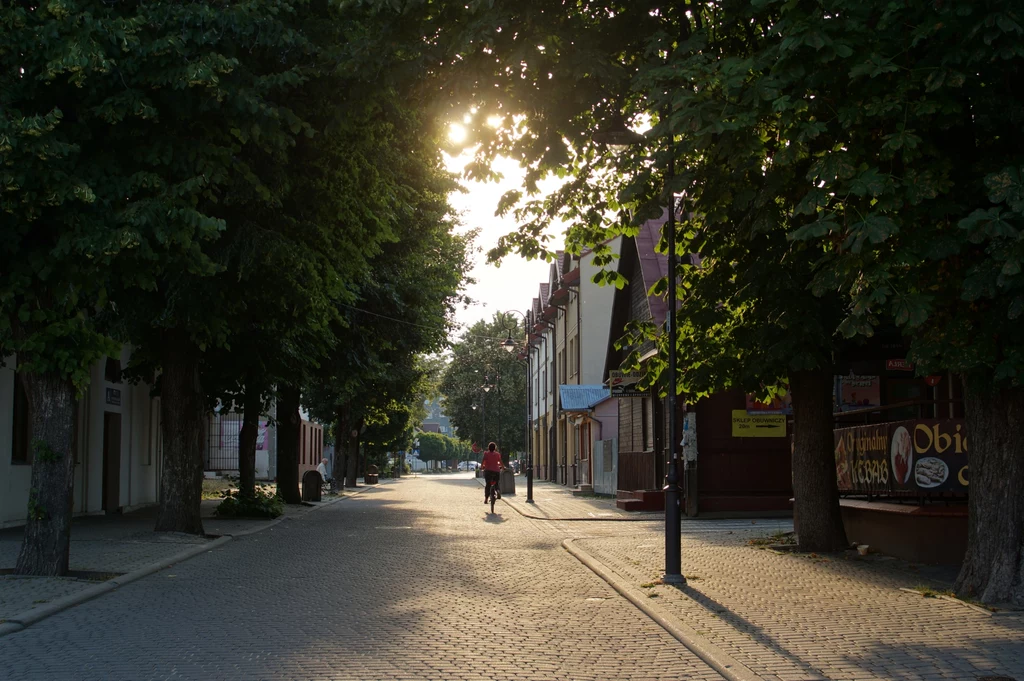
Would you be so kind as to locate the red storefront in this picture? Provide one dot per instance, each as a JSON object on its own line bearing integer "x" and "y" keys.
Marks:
{"x": 901, "y": 452}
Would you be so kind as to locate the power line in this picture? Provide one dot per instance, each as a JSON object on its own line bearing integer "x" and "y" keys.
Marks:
{"x": 421, "y": 326}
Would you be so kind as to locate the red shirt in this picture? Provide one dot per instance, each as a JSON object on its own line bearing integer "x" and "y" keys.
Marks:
{"x": 492, "y": 461}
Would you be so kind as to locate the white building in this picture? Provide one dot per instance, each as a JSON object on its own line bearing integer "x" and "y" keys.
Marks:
{"x": 571, "y": 328}
{"x": 117, "y": 445}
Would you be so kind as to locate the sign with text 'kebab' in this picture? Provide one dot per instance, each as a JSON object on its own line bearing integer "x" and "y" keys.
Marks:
{"x": 921, "y": 456}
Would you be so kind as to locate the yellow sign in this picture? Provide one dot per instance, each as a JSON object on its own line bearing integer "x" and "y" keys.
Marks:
{"x": 757, "y": 425}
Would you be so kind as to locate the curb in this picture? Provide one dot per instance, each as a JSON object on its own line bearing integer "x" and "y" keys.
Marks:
{"x": 30, "y": 617}
{"x": 615, "y": 519}
{"x": 25, "y": 619}
{"x": 709, "y": 653}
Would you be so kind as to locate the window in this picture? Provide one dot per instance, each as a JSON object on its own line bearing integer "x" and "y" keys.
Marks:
{"x": 112, "y": 370}
{"x": 20, "y": 452}
{"x": 648, "y": 424}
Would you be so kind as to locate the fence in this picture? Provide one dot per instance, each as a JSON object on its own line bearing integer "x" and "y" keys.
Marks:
{"x": 222, "y": 435}
{"x": 636, "y": 471}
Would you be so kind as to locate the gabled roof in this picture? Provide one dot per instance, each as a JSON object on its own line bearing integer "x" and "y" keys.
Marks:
{"x": 643, "y": 266}
{"x": 653, "y": 265}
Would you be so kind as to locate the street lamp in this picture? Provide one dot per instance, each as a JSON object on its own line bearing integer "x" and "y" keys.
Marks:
{"x": 617, "y": 136}
{"x": 509, "y": 346}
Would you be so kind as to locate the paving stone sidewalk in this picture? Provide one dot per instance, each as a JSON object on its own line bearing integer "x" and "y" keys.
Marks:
{"x": 555, "y": 502}
{"x": 788, "y": 616}
{"x": 108, "y": 546}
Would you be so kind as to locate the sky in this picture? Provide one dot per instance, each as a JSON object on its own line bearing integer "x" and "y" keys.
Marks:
{"x": 513, "y": 284}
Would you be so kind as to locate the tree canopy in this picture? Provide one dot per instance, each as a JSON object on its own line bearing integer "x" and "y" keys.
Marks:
{"x": 839, "y": 168}
{"x": 478, "y": 362}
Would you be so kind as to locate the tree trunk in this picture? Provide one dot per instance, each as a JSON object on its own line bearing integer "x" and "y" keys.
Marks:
{"x": 993, "y": 569}
{"x": 352, "y": 469}
{"x": 46, "y": 547}
{"x": 183, "y": 415}
{"x": 342, "y": 444}
{"x": 289, "y": 431}
{"x": 816, "y": 494}
{"x": 253, "y": 407}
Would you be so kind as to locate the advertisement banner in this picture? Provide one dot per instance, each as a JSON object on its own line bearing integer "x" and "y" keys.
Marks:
{"x": 858, "y": 392}
{"x": 920, "y": 456}
{"x": 779, "y": 405}
{"x": 623, "y": 384}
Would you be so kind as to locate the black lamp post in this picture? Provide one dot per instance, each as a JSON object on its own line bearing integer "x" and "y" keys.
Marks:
{"x": 483, "y": 428}
{"x": 509, "y": 346}
{"x": 618, "y": 136}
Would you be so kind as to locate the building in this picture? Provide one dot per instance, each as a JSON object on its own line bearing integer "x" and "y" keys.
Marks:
{"x": 736, "y": 469}
{"x": 220, "y": 456}
{"x": 901, "y": 452}
{"x": 437, "y": 421}
{"x": 117, "y": 444}
{"x": 592, "y": 429}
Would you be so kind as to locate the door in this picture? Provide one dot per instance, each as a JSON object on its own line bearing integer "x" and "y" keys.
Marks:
{"x": 111, "y": 461}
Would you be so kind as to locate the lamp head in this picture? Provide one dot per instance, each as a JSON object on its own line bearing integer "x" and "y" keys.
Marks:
{"x": 616, "y": 135}
{"x": 508, "y": 344}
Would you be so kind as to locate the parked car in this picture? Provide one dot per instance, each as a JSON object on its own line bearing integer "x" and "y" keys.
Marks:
{"x": 468, "y": 465}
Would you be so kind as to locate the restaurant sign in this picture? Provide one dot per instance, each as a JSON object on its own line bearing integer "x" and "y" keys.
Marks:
{"x": 919, "y": 456}
{"x": 624, "y": 384}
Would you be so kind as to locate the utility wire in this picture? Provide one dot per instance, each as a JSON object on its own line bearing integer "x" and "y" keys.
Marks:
{"x": 421, "y": 326}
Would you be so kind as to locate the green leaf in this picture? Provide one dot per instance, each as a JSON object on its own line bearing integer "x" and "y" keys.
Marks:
{"x": 870, "y": 183}
{"x": 1016, "y": 308}
{"x": 825, "y": 224}
{"x": 912, "y": 310}
{"x": 1006, "y": 186}
{"x": 983, "y": 224}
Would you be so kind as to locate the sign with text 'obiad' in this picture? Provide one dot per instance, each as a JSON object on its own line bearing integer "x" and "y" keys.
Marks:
{"x": 917, "y": 457}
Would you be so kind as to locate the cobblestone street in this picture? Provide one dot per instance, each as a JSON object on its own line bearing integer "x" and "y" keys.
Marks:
{"x": 412, "y": 580}
{"x": 415, "y": 579}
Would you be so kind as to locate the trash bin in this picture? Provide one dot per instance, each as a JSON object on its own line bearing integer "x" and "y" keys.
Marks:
{"x": 311, "y": 482}
{"x": 507, "y": 482}
{"x": 370, "y": 477}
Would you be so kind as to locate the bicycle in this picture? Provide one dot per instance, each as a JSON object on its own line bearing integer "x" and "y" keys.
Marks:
{"x": 492, "y": 493}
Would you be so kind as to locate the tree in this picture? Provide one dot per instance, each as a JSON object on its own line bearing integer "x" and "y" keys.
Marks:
{"x": 62, "y": 207}
{"x": 415, "y": 278}
{"x": 634, "y": 62}
{"x": 918, "y": 211}
{"x": 478, "y": 361}
{"x": 434, "y": 447}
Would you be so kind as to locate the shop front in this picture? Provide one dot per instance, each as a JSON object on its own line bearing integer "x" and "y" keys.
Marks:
{"x": 901, "y": 454}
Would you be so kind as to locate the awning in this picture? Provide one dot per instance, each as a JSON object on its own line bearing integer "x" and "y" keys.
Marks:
{"x": 582, "y": 397}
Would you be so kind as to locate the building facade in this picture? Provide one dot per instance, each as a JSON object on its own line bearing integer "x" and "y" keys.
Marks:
{"x": 118, "y": 446}
{"x": 593, "y": 430}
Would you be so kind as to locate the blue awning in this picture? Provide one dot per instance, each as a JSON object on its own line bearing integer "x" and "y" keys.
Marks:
{"x": 582, "y": 397}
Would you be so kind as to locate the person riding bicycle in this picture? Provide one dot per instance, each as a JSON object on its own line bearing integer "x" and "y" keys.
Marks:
{"x": 492, "y": 468}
